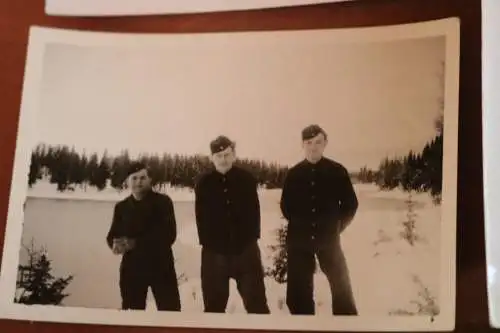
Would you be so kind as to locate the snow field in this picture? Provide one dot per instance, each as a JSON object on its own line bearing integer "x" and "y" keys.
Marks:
{"x": 381, "y": 263}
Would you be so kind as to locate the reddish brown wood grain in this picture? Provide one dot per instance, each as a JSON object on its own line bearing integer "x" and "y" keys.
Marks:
{"x": 16, "y": 16}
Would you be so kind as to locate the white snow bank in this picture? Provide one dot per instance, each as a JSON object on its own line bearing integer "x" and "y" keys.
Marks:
{"x": 44, "y": 189}
{"x": 375, "y": 192}
{"x": 381, "y": 263}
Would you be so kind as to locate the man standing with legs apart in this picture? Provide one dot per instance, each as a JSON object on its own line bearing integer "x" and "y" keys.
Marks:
{"x": 319, "y": 202}
{"x": 143, "y": 230}
{"x": 228, "y": 222}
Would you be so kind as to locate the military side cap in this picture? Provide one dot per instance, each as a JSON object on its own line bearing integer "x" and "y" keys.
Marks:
{"x": 135, "y": 167}
{"x": 312, "y": 131}
{"x": 220, "y": 143}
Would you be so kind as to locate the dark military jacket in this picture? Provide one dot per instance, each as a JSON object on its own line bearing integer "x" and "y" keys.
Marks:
{"x": 318, "y": 200}
{"x": 150, "y": 222}
{"x": 227, "y": 210}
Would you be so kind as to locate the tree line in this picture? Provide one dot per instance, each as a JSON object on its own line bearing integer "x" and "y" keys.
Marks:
{"x": 66, "y": 168}
{"x": 63, "y": 166}
{"x": 415, "y": 171}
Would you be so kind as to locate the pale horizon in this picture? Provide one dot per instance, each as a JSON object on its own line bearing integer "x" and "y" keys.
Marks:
{"x": 374, "y": 100}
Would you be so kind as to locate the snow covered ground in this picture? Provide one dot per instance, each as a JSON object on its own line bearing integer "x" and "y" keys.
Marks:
{"x": 43, "y": 189}
{"x": 387, "y": 273}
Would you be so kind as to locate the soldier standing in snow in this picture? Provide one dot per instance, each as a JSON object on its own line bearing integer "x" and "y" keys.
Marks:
{"x": 228, "y": 223}
{"x": 319, "y": 202}
{"x": 143, "y": 230}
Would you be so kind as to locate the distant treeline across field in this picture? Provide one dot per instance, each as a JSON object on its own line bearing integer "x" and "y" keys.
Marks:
{"x": 420, "y": 171}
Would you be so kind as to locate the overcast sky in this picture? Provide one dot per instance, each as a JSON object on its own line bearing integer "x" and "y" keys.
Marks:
{"x": 373, "y": 99}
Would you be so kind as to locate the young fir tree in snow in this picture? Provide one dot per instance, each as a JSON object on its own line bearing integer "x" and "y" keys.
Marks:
{"x": 278, "y": 271}
{"x": 36, "y": 284}
{"x": 409, "y": 232}
{"x": 424, "y": 304}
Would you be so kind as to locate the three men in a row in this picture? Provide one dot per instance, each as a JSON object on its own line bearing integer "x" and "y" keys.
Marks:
{"x": 318, "y": 201}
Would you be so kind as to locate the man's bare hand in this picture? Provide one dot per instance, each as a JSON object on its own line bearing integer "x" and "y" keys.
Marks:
{"x": 122, "y": 245}
{"x": 119, "y": 245}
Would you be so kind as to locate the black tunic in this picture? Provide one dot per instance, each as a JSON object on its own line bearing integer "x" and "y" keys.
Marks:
{"x": 227, "y": 210}
{"x": 151, "y": 223}
{"x": 318, "y": 200}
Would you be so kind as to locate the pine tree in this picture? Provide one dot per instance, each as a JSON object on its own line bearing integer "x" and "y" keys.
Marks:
{"x": 155, "y": 169}
{"x": 60, "y": 169}
{"x": 102, "y": 173}
{"x": 36, "y": 284}
{"x": 435, "y": 167}
{"x": 279, "y": 269}
{"x": 34, "y": 171}
{"x": 365, "y": 175}
{"x": 390, "y": 173}
{"x": 82, "y": 171}
{"x": 91, "y": 170}
{"x": 118, "y": 172}
{"x": 409, "y": 232}
{"x": 74, "y": 172}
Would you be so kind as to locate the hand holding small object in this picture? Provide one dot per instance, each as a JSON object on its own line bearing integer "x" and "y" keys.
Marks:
{"x": 119, "y": 245}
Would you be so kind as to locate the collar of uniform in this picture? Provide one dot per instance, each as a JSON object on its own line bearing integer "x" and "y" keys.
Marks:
{"x": 146, "y": 195}
{"x": 227, "y": 174}
{"x": 313, "y": 165}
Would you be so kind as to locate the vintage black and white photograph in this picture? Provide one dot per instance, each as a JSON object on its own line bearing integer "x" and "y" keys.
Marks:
{"x": 264, "y": 180}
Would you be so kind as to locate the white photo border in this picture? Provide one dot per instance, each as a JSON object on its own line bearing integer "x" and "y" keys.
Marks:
{"x": 27, "y": 135}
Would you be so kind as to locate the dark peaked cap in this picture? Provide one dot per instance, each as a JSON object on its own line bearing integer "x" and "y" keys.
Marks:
{"x": 135, "y": 167}
{"x": 220, "y": 143}
{"x": 312, "y": 131}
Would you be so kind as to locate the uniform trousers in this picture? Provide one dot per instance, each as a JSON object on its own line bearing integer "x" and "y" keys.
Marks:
{"x": 300, "y": 281}
{"x": 137, "y": 276}
{"x": 246, "y": 268}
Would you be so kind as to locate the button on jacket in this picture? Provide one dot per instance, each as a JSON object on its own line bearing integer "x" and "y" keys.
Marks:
{"x": 317, "y": 200}
{"x": 227, "y": 210}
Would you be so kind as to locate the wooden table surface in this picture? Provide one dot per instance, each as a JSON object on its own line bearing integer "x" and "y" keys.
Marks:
{"x": 16, "y": 16}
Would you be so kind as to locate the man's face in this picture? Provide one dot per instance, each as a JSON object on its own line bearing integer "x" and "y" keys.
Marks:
{"x": 314, "y": 148}
{"x": 224, "y": 160}
{"x": 139, "y": 182}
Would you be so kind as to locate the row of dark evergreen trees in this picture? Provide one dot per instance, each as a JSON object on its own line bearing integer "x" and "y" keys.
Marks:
{"x": 67, "y": 168}
{"x": 416, "y": 171}
{"x": 419, "y": 171}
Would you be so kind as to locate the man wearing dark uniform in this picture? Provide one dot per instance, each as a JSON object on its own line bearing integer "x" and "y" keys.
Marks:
{"x": 228, "y": 223}
{"x": 319, "y": 202}
{"x": 143, "y": 231}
